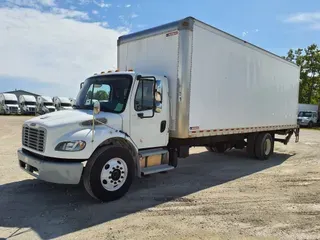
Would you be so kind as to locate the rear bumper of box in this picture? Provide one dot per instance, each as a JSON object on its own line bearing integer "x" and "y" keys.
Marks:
{"x": 55, "y": 172}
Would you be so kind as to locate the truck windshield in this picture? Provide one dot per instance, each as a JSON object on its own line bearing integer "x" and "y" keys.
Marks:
{"x": 305, "y": 114}
{"x": 111, "y": 91}
{"x": 65, "y": 104}
{"x": 30, "y": 103}
{"x": 48, "y": 104}
{"x": 10, "y": 102}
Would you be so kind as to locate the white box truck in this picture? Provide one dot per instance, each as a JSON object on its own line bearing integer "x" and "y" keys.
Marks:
{"x": 192, "y": 85}
{"x": 9, "y": 104}
{"x": 45, "y": 105}
{"x": 308, "y": 115}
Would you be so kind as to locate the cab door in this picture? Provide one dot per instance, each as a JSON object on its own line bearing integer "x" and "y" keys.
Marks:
{"x": 148, "y": 124}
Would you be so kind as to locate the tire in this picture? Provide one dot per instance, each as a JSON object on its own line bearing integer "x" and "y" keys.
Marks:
{"x": 264, "y": 146}
{"x": 310, "y": 124}
{"x": 104, "y": 167}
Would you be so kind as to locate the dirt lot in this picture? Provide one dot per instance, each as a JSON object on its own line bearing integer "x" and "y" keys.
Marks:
{"x": 208, "y": 196}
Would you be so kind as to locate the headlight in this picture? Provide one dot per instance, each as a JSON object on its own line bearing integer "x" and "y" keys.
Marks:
{"x": 71, "y": 146}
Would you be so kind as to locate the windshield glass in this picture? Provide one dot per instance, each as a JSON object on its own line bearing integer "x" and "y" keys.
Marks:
{"x": 65, "y": 104}
{"x": 10, "y": 102}
{"x": 48, "y": 104}
{"x": 30, "y": 103}
{"x": 305, "y": 114}
{"x": 111, "y": 91}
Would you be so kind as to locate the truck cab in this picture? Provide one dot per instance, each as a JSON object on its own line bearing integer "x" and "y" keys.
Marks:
{"x": 126, "y": 125}
{"x": 307, "y": 118}
{"x": 27, "y": 104}
{"x": 45, "y": 105}
{"x": 62, "y": 103}
{"x": 9, "y": 104}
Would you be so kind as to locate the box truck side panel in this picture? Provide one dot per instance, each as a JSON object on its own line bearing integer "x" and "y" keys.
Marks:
{"x": 236, "y": 85}
{"x": 155, "y": 54}
{"x": 308, "y": 107}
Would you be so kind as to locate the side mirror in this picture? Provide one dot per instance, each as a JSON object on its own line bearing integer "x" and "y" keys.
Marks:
{"x": 96, "y": 107}
{"x": 81, "y": 85}
{"x": 158, "y": 102}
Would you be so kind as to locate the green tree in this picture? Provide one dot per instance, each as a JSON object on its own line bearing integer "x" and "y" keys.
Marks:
{"x": 101, "y": 95}
{"x": 309, "y": 61}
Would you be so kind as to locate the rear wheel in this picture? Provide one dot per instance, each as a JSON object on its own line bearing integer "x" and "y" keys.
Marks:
{"x": 264, "y": 146}
{"x": 109, "y": 173}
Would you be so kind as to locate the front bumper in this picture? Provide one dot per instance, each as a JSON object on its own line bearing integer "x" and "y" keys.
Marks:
{"x": 303, "y": 123}
{"x": 55, "y": 172}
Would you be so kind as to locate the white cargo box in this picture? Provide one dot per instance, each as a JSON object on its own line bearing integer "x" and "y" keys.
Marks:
{"x": 218, "y": 84}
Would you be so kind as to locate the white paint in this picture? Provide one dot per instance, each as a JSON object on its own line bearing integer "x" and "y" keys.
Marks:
{"x": 308, "y": 107}
{"x": 155, "y": 55}
{"x": 234, "y": 85}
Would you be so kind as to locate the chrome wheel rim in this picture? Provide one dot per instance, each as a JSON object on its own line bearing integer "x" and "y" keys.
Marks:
{"x": 267, "y": 146}
{"x": 114, "y": 174}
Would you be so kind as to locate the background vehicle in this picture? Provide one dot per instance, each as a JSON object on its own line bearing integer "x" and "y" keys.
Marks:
{"x": 62, "y": 103}
{"x": 9, "y": 104}
{"x": 192, "y": 85}
{"x": 45, "y": 105}
{"x": 308, "y": 114}
{"x": 308, "y": 118}
{"x": 27, "y": 104}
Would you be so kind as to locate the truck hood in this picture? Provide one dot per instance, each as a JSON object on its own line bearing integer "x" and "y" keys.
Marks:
{"x": 304, "y": 118}
{"x": 72, "y": 117}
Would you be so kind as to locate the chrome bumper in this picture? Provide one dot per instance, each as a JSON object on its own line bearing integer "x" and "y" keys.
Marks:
{"x": 55, "y": 172}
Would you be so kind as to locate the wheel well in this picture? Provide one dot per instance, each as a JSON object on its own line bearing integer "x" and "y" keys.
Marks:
{"x": 125, "y": 144}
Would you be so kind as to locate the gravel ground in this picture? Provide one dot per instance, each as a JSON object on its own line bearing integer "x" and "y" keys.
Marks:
{"x": 209, "y": 196}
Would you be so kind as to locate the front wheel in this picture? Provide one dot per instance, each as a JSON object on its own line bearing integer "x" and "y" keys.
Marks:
{"x": 109, "y": 173}
{"x": 310, "y": 124}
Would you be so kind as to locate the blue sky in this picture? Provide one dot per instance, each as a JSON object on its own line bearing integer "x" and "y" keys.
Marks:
{"x": 50, "y": 46}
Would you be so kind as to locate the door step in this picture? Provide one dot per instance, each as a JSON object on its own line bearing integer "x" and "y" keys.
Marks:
{"x": 151, "y": 152}
{"x": 156, "y": 169}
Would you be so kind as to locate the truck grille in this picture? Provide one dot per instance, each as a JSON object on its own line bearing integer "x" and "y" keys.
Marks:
{"x": 13, "y": 109}
{"x": 34, "y": 138}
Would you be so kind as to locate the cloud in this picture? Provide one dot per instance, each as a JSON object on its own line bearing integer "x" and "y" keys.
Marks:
{"x": 306, "y": 17}
{"x": 127, "y": 5}
{"x": 51, "y": 48}
{"x": 66, "y": 13}
{"x": 95, "y": 12}
{"x": 311, "y": 19}
{"x": 37, "y": 4}
{"x": 245, "y": 33}
{"x": 102, "y": 4}
{"x": 134, "y": 15}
